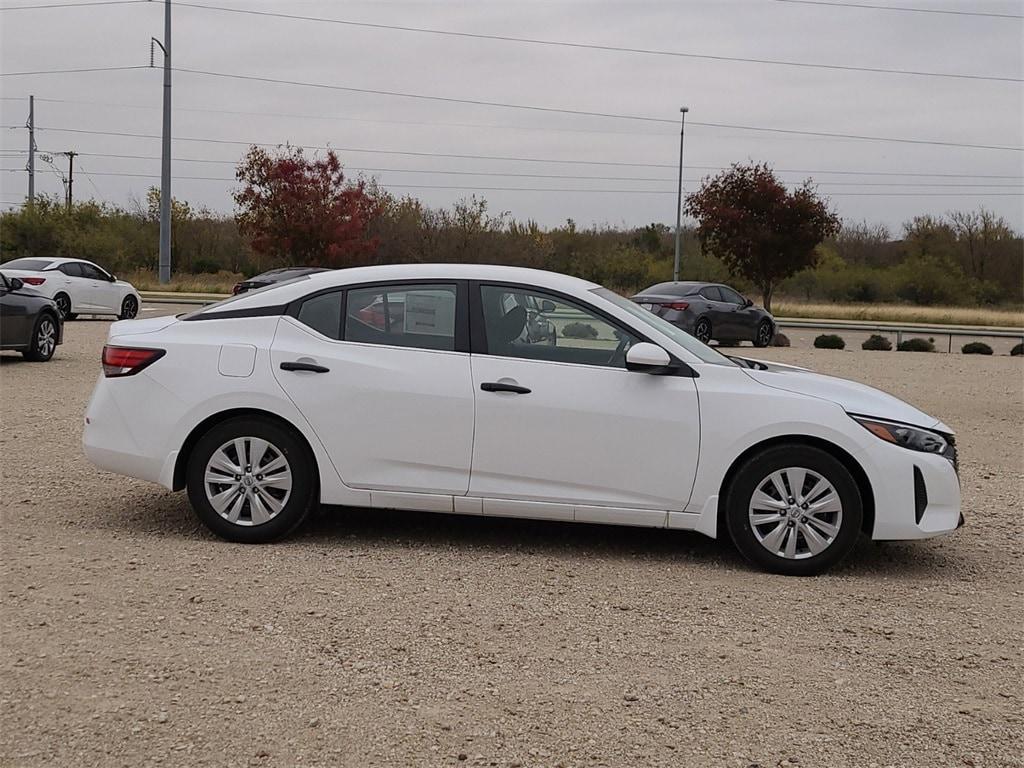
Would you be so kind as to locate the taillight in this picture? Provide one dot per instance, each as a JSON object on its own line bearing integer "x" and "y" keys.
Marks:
{"x": 679, "y": 306}
{"x": 127, "y": 361}
{"x": 33, "y": 280}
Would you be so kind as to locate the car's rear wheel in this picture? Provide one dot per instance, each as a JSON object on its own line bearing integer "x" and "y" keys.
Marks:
{"x": 793, "y": 510}
{"x": 251, "y": 480}
{"x": 44, "y": 339}
{"x": 702, "y": 330}
{"x": 63, "y": 302}
{"x": 763, "y": 335}
{"x": 129, "y": 308}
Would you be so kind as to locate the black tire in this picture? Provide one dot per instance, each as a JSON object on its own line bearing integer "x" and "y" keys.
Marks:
{"x": 129, "y": 308}
{"x": 43, "y": 343}
{"x": 285, "y": 442}
{"x": 702, "y": 330}
{"x": 764, "y": 334}
{"x": 749, "y": 478}
{"x": 63, "y": 302}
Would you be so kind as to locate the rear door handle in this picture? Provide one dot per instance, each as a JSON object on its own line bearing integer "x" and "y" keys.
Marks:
{"x": 501, "y": 386}
{"x": 311, "y": 367}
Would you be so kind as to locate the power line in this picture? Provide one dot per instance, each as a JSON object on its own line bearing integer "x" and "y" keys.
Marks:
{"x": 584, "y": 113}
{"x": 68, "y": 5}
{"x": 860, "y": 6}
{"x": 451, "y": 155}
{"x": 594, "y": 46}
{"x": 71, "y": 71}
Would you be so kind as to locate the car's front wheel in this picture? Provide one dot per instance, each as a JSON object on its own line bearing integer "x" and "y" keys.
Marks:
{"x": 251, "y": 480}
{"x": 129, "y": 308}
{"x": 44, "y": 339}
{"x": 763, "y": 335}
{"x": 793, "y": 510}
{"x": 63, "y": 302}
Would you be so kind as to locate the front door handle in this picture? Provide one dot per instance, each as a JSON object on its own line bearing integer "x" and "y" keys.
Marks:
{"x": 501, "y": 386}
{"x": 311, "y": 367}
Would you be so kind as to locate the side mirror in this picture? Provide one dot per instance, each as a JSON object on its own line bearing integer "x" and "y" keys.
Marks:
{"x": 15, "y": 283}
{"x": 647, "y": 358}
{"x": 747, "y": 303}
{"x": 547, "y": 305}
{"x": 112, "y": 278}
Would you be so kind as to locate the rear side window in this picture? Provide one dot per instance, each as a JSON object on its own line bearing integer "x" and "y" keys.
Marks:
{"x": 421, "y": 316}
{"x": 31, "y": 265}
{"x": 323, "y": 314}
{"x": 711, "y": 293}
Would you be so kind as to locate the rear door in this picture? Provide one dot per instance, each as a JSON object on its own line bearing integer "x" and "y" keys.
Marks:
{"x": 77, "y": 286}
{"x": 392, "y": 403}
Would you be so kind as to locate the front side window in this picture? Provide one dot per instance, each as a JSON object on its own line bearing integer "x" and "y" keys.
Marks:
{"x": 421, "y": 316}
{"x": 92, "y": 272}
{"x": 323, "y": 314}
{"x": 519, "y": 322}
{"x": 72, "y": 269}
{"x": 711, "y": 293}
{"x": 729, "y": 295}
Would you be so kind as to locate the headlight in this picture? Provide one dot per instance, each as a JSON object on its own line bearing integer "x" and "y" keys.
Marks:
{"x": 914, "y": 438}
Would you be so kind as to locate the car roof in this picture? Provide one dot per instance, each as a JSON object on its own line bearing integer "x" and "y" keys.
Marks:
{"x": 678, "y": 287}
{"x": 285, "y": 292}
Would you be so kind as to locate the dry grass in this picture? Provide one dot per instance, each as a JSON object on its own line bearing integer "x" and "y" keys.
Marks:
{"x": 221, "y": 282}
{"x": 902, "y": 313}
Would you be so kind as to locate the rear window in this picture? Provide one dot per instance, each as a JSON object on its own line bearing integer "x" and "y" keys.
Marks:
{"x": 31, "y": 265}
{"x": 673, "y": 289}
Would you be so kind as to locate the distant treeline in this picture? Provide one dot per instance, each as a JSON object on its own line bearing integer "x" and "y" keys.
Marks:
{"x": 965, "y": 258}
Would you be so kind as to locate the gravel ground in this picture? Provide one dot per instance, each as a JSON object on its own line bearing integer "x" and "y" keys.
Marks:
{"x": 132, "y": 637}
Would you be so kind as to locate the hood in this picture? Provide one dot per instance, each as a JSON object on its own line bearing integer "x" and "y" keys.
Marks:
{"x": 149, "y": 325}
{"x": 852, "y": 396}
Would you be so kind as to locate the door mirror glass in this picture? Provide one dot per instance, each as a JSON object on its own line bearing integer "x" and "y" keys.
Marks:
{"x": 647, "y": 358}
{"x": 547, "y": 305}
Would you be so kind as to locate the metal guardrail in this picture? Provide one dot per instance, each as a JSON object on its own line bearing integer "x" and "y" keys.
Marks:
{"x": 880, "y": 327}
{"x": 899, "y": 329}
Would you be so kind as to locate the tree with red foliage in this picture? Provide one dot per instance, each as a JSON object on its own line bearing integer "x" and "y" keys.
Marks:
{"x": 763, "y": 233}
{"x": 301, "y": 211}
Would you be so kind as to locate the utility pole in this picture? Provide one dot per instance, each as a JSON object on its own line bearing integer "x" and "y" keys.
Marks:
{"x": 31, "y": 124}
{"x": 679, "y": 196}
{"x": 69, "y": 198}
{"x": 165, "y": 159}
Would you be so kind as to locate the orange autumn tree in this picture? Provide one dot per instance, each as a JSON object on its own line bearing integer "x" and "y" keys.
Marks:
{"x": 303, "y": 211}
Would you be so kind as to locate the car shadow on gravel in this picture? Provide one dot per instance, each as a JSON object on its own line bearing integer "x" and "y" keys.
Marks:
{"x": 392, "y": 531}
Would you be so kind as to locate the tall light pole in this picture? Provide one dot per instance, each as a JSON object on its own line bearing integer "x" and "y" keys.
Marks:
{"x": 31, "y": 125}
{"x": 679, "y": 196}
{"x": 165, "y": 158}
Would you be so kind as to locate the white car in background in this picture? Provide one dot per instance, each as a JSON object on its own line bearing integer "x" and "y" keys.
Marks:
{"x": 77, "y": 287}
{"x": 443, "y": 401}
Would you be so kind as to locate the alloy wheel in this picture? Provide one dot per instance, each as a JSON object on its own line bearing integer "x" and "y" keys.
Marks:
{"x": 130, "y": 308}
{"x": 46, "y": 338}
{"x": 248, "y": 481}
{"x": 63, "y": 305}
{"x": 703, "y": 331}
{"x": 795, "y": 513}
{"x": 764, "y": 334}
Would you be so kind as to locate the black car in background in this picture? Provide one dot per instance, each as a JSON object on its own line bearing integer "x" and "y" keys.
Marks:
{"x": 274, "y": 276}
{"x": 29, "y": 322}
{"x": 709, "y": 311}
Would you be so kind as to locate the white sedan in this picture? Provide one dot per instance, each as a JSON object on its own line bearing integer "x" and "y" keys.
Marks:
{"x": 77, "y": 287}
{"x": 420, "y": 387}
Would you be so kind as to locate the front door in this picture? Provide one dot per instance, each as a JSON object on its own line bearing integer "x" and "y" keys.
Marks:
{"x": 562, "y": 421}
{"x": 103, "y": 294}
{"x": 376, "y": 372}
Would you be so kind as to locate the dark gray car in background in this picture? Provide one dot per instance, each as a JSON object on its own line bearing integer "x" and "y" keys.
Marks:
{"x": 709, "y": 311}
{"x": 29, "y": 321}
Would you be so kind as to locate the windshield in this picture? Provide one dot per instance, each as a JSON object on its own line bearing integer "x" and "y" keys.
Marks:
{"x": 678, "y": 335}
{"x": 29, "y": 265}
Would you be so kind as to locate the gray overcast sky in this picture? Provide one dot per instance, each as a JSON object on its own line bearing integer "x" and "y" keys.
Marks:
{"x": 971, "y": 111}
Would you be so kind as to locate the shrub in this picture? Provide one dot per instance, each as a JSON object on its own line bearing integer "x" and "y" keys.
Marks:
{"x": 916, "y": 345}
{"x": 780, "y": 340}
{"x": 579, "y": 331}
{"x": 1018, "y": 350}
{"x": 205, "y": 267}
{"x": 829, "y": 341}
{"x": 976, "y": 348}
{"x": 877, "y": 342}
